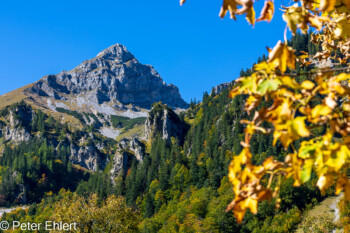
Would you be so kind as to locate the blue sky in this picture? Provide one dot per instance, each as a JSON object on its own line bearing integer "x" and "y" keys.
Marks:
{"x": 190, "y": 46}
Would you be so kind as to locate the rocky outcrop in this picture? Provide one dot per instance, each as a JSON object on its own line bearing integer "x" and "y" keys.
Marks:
{"x": 138, "y": 149}
{"x": 127, "y": 149}
{"x": 219, "y": 88}
{"x": 163, "y": 121}
{"x": 87, "y": 156}
{"x": 20, "y": 123}
{"x": 15, "y": 134}
{"x": 114, "y": 75}
{"x": 18, "y": 120}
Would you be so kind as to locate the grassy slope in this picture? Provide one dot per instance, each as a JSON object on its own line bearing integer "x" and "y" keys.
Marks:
{"x": 37, "y": 103}
{"x": 324, "y": 217}
{"x": 137, "y": 130}
{"x": 41, "y": 103}
{"x": 14, "y": 96}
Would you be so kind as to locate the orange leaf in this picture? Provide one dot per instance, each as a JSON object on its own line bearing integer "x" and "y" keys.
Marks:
{"x": 228, "y": 5}
{"x": 267, "y": 12}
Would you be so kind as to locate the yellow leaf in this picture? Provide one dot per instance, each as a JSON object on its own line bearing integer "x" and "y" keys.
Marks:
{"x": 288, "y": 81}
{"x": 268, "y": 163}
{"x": 289, "y": 131}
{"x": 251, "y": 16}
{"x": 268, "y": 85}
{"x": 295, "y": 169}
{"x": 298, "y": 125}
{"x": 341, "y": 182}
{"x": 327, "y": 5}
{"x": 247, "y": 8}
{"x": 235, "y": 165}
{"x": 271, "y": 164}
{"x": 296, "y": 17}
{"x": 342, "y": 77}
{"x": 324, "y": 181}
{"x": 338, "y": 161}
{"x": 342, "y": 29}
{"x": 267, "y": 12}
{"x": 320, "y": 110}
{"x": 307, "y": 149}
{"x": 285, "y": 110}
{"x": 234, "y": 168}
{"x": 239, "y": 215}
{"x": 252, "y": 204}
{"x": 282, "y": 56}
{"x": 308, "y": 85}
{"x": 228, "y": 5}
{"x": 264, "y": 66}
{"x": 246, "y": 4}
{"x": 315, "y": 22}
{"x": 330, "y": 102}
{"x": 306, "y": 171}
{"x": 252, "y": 102}
{"x": 234, "y": 92}
{"x": 182, "y": 2}
{"x": 346, "y": 107}
{"x": 265, "y": 195}
{"x": 347, "y": 191}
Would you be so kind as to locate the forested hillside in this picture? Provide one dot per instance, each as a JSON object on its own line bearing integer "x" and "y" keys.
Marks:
{"x": 36, "y": 154}
{"x": 179, "y": 185}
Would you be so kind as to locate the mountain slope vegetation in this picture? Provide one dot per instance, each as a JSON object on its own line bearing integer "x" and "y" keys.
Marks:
{"x": 177, "y": 183}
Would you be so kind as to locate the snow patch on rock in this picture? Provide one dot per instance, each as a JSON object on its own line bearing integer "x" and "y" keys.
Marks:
{"x": 109, "y": 132}
{"x": 132, "y": 114}
{"x": 50, "y": 105}
{"x": 61, "y": 105}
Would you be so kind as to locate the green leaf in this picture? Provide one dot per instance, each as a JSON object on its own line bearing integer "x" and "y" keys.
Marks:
{"x": 306, "y": 172}
{"x": 268, "y": 85}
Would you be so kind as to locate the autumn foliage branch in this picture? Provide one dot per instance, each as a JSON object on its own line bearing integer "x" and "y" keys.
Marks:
{"x": 296, "y": 108}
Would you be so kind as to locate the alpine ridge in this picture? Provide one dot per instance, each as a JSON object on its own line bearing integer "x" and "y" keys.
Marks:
{"x": 112, "y": 83}
{"x": 114, "y": 76}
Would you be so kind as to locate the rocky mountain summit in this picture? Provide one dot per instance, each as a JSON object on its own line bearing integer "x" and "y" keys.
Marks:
{"x": 114, "y": 76}
{"x": 113, "y": 86}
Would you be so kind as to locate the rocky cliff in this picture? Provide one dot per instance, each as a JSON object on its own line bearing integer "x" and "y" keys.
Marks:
{"x": 113, "y": 76}
{"x": 163, "y": 121}
{"x": 127, "y": 149}
{"x": 14, "y": 127}
{"x": 219, "y": 88}
{"x": 21, "y": 123}
{"x": 92, "y": 100}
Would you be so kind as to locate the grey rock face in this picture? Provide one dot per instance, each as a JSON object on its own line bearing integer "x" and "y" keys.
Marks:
{"x": 16, "y": 134}
{"x": 138, "y": 148}
{"x": 113, "y": 75}
{"x": 164, "y": 121}
{"x": 120, "y": 162}
{"x": 219, "y": 88}
{"x": 126, "y": 150}
{"x": 16, "y": 130}
{"x": 86, "y": 156}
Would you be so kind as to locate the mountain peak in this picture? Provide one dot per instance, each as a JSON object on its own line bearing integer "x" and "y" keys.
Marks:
{"x": 116, "y": 52}
{"x": 114, "y": 78}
